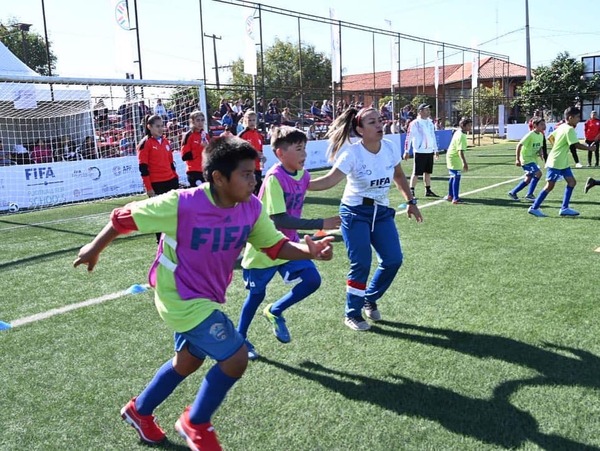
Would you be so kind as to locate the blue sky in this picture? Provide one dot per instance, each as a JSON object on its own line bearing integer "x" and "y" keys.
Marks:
{"x": 83, "y": 32}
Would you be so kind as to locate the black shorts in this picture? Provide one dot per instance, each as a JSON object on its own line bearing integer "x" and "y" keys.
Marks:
{"x": 165, "y": 187}
{"x": 194, "y": 177}
{"x": 423, "y": 163}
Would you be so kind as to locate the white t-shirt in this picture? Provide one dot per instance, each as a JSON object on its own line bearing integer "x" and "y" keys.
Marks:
{"x": 422, "y": 136}
{"x": 367, "y": 174}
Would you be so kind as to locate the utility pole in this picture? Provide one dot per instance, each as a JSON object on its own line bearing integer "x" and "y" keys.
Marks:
{"x": 214, "y": 38}
{"x": 527, "y": 41}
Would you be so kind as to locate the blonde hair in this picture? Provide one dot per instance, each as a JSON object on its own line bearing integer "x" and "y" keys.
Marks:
{"x": 247, "y": 115}
{"x": 195, "y": 114}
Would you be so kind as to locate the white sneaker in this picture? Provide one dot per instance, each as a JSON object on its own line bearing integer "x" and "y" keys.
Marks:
{"x": 371, "y": 311}
{"x": 578, "y": 165}
{"x": 356, "y": 323}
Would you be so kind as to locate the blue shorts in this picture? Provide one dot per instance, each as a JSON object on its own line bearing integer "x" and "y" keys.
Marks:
{"x": 256, "y": 280}
{"x": 554, "y": 175}
{"x": 530, "y": 168}
{"x": 215, "y": 337}
{"x": 454, "y": 172}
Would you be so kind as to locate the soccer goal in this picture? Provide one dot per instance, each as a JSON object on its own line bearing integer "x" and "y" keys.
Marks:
{"x": 65, "y": 140}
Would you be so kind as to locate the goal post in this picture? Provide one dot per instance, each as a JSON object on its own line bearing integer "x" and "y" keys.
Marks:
{"x": 66, "y": 140}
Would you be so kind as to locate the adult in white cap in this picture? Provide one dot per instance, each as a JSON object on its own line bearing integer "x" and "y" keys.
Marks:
{"x": 421, "y": 137}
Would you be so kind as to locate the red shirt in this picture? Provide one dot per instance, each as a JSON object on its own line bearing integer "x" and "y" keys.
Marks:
{"x": 156, "y": 161}
{"x": 192, "y": 146}
{"x": 255, "y": 138}
{"x": 592, "y": 129}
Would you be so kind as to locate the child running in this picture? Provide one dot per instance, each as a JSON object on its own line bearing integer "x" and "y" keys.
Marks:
{"x": 282, "y": 195}
{"x": 456, "y": 161}
{"x": 370, "y": 166}
{"x": 529, "y": 150}
{"x": 564, "y": 140}
{"x": 210, "y": 223}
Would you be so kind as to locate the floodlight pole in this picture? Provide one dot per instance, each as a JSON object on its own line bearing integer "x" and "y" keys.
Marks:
{"x": 527, "y": 42}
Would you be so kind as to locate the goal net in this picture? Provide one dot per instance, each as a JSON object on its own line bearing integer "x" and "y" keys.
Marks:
{"x": 72, "y": 140}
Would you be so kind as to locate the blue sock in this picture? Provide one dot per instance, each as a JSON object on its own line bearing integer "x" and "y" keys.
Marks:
{"x": 450, "y": 183}
{"x": 567, "y": 196}
{"x": 539, "y": 199}
{"x": 519, "y": 187}
{"x": 248, "y": 310}
{"x": 456, "y": 187}
{"x": 212, "y": 392}
{"x": 532, "y": 185}
{"x": 160, "y": 387}
{"x": 311, "y": 281}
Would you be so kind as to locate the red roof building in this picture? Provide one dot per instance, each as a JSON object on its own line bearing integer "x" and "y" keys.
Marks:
{"x": 454, "y": 83}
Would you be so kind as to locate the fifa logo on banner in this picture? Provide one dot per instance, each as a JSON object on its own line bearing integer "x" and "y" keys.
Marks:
{"x": 39, "y": 173}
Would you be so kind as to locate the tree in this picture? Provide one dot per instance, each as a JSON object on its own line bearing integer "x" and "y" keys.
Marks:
{"x": 28, "y": 46}
{"x": 282, "y": 74}
{"x": 558, "y": 86}
{"x": 487, "y": 99}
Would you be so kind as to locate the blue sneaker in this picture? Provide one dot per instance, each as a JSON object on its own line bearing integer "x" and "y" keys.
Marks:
{"x": 252, "y": 354}
{"x": 536, "y": 212}
{"x": 278, "y": 323}
{"x": 568, "y": 212}
{"x": 513, "y": 196}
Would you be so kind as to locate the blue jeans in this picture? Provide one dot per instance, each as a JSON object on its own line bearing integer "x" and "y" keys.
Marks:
{"x": 362, "y": 227}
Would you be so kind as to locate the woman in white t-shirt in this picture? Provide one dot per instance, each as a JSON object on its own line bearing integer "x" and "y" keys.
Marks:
{"x": 370, "y": 166}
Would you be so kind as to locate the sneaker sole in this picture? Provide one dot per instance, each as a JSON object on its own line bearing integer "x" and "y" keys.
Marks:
{"x": 134, "y": 425}
{"x": 356, "y": 328}
{"x": 373, "y": 318}
{"x": 182, "y": 433}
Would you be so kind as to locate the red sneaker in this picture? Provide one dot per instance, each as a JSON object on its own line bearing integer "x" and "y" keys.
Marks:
{"x": 145, "y": 425}
{"x": 199, "y": 437}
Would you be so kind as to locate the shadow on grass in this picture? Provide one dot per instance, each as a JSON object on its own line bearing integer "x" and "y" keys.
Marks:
{"x": 494, "y": 421}
{"x": 167, "y": 444}
{"x": 43, "y": 227}
{"x": 496, "y": 202}
{"x": 51, "y": 255}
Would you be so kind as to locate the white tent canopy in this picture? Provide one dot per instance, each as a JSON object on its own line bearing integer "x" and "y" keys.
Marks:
{"x": 11, "y": 65}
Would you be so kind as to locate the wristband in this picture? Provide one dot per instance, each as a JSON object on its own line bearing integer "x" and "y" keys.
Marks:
{"x": 413, "y": 201}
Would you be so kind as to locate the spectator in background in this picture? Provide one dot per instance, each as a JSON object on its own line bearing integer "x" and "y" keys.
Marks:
{"x": 88, "y": 148}
{"x": 248, "y": 105}
{"x": 315, "y": 110}
{"x": 424, "y": 144}
{"x": 326, "y": 110}
{"x": 160, "y": 110}
{"x": 287, "y": 118}
{"x": 67, "y": 151}
{"x": 592, "y": 136}
{"x": 5, "y": 159}
{"x": 311, "y": 133}
{"x": 101, "y": 115}
{"x": 224, "y": 108}
{"x": 21, "y": 154}
{"x": 126, "y": 145}
{"x": 41, "y": 153}
{"x": 227, "y": 119}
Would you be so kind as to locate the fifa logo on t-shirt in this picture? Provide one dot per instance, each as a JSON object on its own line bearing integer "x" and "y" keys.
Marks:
{"x": 381, "y": 181}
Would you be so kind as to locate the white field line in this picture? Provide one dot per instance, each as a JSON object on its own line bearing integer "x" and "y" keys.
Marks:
{"x": 485, "y": 188}
{"x": 119, "y": 294}
{"x": 68, "y": 308}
